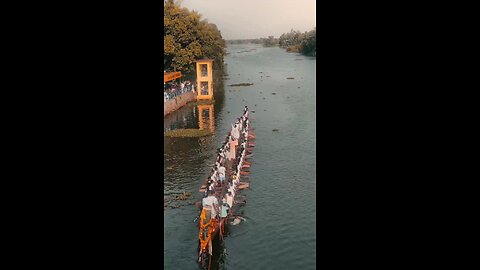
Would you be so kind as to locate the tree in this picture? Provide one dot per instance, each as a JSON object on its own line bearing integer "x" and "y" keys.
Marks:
{"x": 270, "y": 41}
{"x": 304, "y": 43}
{"x": 309, "y": 43}
{"x": 187, "y": 38}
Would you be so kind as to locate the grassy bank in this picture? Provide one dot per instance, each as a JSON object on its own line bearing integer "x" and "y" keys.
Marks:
{"x": 187, "y": 133}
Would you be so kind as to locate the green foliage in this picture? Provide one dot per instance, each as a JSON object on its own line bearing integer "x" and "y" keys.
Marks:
{"x": 295, "y": 41}
{"x": 270, "y": 41}
{"x": 308, "y": 46}
{"x": 188, "y": 38}
{"x": 187, "y": 133}
{"x": 290, "y": 39}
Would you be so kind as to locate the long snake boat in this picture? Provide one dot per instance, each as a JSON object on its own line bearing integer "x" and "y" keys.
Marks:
{"x": 221, "y": 188}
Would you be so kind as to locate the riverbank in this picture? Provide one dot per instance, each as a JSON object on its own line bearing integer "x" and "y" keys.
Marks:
{"x": 178, "y": 102}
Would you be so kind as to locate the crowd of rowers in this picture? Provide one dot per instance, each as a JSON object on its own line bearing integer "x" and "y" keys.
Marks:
{"x": 233, "y": 149}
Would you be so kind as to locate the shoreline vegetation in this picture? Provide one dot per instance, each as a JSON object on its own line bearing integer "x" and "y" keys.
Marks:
{"x": 188, "y": 37}
{"x": 304, "y": 43}
{"x": 187, "y": 133}
{"x": 294, "y": 41}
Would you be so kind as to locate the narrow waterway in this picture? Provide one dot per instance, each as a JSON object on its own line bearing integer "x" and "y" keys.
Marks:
{"x": 279, "y": 231}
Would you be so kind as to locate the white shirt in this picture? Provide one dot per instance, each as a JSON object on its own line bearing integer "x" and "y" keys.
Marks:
{"x": 230, "y": 200}
{"x": 210, "y": 201}
{"x": 235, "y": 133}
{"x": 232, "y": 190}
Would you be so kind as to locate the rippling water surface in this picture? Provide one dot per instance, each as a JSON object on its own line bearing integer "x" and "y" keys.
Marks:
{"x": 280, "y": 229}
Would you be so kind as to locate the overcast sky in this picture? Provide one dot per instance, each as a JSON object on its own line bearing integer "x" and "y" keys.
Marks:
{"x": 245, "y": 19}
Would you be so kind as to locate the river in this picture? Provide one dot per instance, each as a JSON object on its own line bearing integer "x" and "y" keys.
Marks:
{"x": 280, "y": 227}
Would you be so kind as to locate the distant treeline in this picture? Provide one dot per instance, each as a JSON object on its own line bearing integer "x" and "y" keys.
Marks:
{"x": 295, "y": 41}
{"x": 244, "y": 41}
{"x": 270, "y": 41}
{"x": 187, "y": 38}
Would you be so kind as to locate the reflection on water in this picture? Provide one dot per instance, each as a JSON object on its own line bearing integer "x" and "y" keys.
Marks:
{"x": 280, "y": 229}
{"x": 191, "y": 117}
{"x": 182, "y": 118}
{"x": 205, "y": 117}
{"x": 186, "y": 160}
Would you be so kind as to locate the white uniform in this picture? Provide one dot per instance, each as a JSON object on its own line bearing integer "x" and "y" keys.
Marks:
{"x": 232, "y": 190}
{"x": 235, "y": 133}
{"x": 210, "y": 201}
{"x": 221, "y": 173}
{"x": 230, "y": 200}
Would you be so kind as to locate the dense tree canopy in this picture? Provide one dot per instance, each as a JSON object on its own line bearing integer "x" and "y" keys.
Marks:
{"x": 187, "y": 38}
{"x": 305, "y": 43}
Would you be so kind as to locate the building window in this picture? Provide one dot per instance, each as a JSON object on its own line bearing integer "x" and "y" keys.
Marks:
{"x": 203, "y": 70}
{"x": 206, "y": 113}
{"x": 204, "y": 88}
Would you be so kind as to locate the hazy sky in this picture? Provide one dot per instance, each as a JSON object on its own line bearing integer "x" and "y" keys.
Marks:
{"x": 244, "y": 19}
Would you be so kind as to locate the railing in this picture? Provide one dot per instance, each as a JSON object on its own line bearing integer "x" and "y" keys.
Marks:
{"x": 173, "y": 93}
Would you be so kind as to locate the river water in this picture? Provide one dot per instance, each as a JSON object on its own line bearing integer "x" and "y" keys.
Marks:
{"x": 280, "y": 227}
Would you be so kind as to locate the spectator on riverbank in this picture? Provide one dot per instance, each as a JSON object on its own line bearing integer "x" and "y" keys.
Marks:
{"x": 172, "y": 89}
